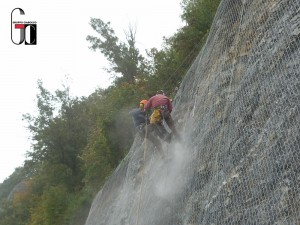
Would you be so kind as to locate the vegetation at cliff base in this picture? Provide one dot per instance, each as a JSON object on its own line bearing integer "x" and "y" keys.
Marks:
{"x": 77, "y": 142}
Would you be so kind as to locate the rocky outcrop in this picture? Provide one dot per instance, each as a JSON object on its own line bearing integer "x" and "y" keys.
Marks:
{"x": 238, "y": 113}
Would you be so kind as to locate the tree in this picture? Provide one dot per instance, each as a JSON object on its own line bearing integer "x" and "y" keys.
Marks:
{"x": 96, "y": 160}
{"x": 124, "y": 58}
{"x": 172, "y": 62}
{"x": 59, "y": 134}
{"x": 77, "y": 143}
{"x": 51, "y": 207}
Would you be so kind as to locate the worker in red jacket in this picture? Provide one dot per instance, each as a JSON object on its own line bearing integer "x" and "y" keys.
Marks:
{"x": 162, "y": 108}
{"x": 140, "y": 122}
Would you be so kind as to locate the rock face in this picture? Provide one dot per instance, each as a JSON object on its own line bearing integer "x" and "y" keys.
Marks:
{"x": 238, "y": 111}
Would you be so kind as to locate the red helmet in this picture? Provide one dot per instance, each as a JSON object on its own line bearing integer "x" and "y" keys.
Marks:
{"x": 143, "y": 103}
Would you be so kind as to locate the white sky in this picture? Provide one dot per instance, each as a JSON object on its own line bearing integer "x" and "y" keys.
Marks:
{"x": 62, "y": 49}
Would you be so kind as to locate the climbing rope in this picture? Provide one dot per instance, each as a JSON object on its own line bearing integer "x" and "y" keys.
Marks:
{"x": 146, "y": 132}
{"x": 141, "y": 187}
{"x": 188, "y": 57}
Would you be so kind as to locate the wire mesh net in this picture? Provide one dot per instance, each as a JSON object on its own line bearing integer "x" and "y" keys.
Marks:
{"x": 245, "y": 112}
{"x": 238, "y": 113}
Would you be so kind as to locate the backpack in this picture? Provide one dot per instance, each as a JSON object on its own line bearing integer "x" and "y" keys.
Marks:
{"x": 155, "y": 117}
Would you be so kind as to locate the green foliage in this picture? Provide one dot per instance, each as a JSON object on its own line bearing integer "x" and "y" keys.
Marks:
{"x": 79, "y": 205}
{"x": 96, "y": 160}
{"x": 15, "y": 209}
{"x": 58, "y": 140}
{"x": 166, "y": 75}
{"x": 49, "y": 175}
{"x": 12, "y": 215}
{"x": 52, "y": 207}
{"x": 172, "y": 62}
{"x": 124, "y": 58}
{"x": 8, "y": 184}
{"x": 77, "y": 143}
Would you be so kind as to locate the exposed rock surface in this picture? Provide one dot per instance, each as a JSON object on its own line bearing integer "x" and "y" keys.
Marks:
{"x": 238, "y": 110}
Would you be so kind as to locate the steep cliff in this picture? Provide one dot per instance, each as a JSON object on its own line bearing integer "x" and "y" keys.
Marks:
{"x": 238, "y": 112}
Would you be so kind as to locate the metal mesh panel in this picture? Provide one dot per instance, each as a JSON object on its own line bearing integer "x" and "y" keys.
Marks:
{"x": 246, "y": 117}
{"x": 239, "y": 115}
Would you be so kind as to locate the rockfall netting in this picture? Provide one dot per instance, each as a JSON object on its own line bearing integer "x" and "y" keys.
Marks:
{"x": 238, "y": 112}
